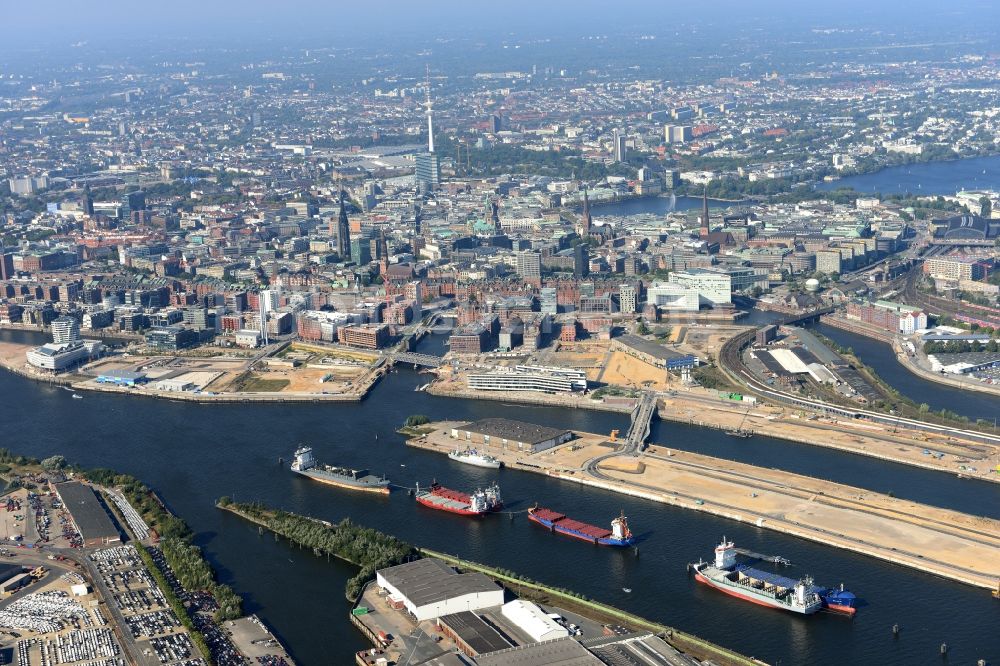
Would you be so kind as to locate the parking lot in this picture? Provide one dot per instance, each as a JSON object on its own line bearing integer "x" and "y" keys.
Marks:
{"x": 53, "y": 627}
{"x": 157, "y": 631}
{"x": 201, "y": 608}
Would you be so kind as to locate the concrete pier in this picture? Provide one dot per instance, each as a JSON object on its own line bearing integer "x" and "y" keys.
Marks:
{"x": 947, "y": 543}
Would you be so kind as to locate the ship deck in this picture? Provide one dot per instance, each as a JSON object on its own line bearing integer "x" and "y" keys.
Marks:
{"x": 561, "y": 521}
{"x": 772, "y": 578}
{"x": 445, "y": 502}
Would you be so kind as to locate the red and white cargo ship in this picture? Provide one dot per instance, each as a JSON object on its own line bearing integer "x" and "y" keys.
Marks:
{"x": 476, "y": 504}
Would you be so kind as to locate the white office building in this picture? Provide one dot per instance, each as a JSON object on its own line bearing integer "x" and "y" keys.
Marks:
{"x": 65, "y": 329}
{"x": 61, "y": 356}
{"x": 529, "y": 378}
{"x": 714, "y": 287}
{"x": 671, "y": 296}
{"x": 627, "y": 298}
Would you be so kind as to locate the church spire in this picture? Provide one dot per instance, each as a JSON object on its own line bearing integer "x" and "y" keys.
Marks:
{"x": 585, "y": 219}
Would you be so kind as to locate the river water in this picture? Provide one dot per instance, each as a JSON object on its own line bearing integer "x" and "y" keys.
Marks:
{"x": 193, "y": 454}
{"x": 880, "y": 357}
{"x": 930, "y": 178}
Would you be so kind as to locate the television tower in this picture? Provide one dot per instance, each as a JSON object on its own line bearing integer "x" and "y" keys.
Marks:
{"x": 429, "y": 105}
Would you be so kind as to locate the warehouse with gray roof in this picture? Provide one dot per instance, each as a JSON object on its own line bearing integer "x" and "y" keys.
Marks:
{"x": 509, "y": 435}
{"x": 87, "y": 513}
{"x": 430, "y": 589}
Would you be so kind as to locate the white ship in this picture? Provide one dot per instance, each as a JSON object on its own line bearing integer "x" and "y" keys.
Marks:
{"x": 759, "y": 587}
{"x": 473, "y": 457}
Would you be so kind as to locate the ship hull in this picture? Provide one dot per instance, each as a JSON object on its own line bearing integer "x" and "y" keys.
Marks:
{"x": 362, "y": 487}
{"x": 735, "y": 592}
{"x": 476, "y": 463}
{"x": 600, "y": 541}
{"x": 431, "y": 504}
{"x": 840, "y": 608}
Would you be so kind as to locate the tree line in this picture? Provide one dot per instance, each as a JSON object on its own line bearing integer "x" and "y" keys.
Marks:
{"x": 366, "y": 547}
{"x": 185, "y": 559}
{"x": 960, "y": 347}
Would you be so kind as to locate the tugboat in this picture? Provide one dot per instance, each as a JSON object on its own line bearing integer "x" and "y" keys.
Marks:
{"x": 342, "y": 477}
{"x": 768, "y": 589}
{"x": 739, "y": 431}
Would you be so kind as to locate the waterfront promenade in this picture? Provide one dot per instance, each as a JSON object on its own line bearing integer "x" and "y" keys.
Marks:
{"x": 947, "y": 543}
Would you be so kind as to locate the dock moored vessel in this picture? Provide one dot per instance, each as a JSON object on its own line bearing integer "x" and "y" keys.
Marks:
{"x": 767, "y": 589}
{"x": 479, "y": 503}
{"x": 474, "y": 457}
{"x": 306, "y": 464}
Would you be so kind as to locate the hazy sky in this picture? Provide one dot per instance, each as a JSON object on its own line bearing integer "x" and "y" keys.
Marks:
{"x": 52, "y": 21}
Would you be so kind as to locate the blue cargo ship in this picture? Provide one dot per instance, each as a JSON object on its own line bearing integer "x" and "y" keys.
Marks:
{"x": 618, "y": 535}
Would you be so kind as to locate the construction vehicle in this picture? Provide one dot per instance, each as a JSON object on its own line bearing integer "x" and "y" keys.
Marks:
{"x": 614, "y": 436}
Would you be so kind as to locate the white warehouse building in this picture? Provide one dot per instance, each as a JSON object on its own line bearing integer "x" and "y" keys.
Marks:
{"x": 429, "y": 589}
{"x": 533, "y": 621}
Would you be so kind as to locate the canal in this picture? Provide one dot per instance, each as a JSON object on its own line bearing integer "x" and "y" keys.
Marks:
{"x": 192, "y": 454}
{"x": 880, "y": 358}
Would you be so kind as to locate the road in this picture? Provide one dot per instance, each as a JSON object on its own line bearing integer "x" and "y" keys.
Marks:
{"x": 638, "y": 431}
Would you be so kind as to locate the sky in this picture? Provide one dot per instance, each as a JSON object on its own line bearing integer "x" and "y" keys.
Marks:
{"x": 43, "y": 21}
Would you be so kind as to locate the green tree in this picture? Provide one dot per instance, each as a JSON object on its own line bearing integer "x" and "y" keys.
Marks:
{"x": 54, "y": 463}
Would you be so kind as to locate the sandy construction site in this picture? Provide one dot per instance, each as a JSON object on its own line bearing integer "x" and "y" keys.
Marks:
{"x": 948, "y": 543}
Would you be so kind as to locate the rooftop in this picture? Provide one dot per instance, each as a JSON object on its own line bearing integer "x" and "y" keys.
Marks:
{"x": 428, "y": 581}
{"x": 89, "y": 515}
{"x": 650, "y": 348}
{"x": 478, "y": 635}
{"x": 519, "y": 431}
{"x": 558, "y": 652}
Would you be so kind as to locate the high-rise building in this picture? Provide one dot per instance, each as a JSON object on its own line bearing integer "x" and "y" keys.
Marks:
{"x": 428, "y": 172}
{"x": 529, "y": 264}
{"x": 581, "y": 260}
{"x": 87, "y": 202}
{"x": 495, "y": 123}
{"x": 618, "y": 146}
{"x": 548, "y": 300}
{"x": 6, "y": 263}
{"x": 361, "y": 250}
{"x": 65, "y": 329}
{"x": 343, "y": 232}
{"x": 627, "y": 298}
{"x": 132, "y": 201}
{"x": 677, "y": 133}
{"x": 268, "y": 299}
